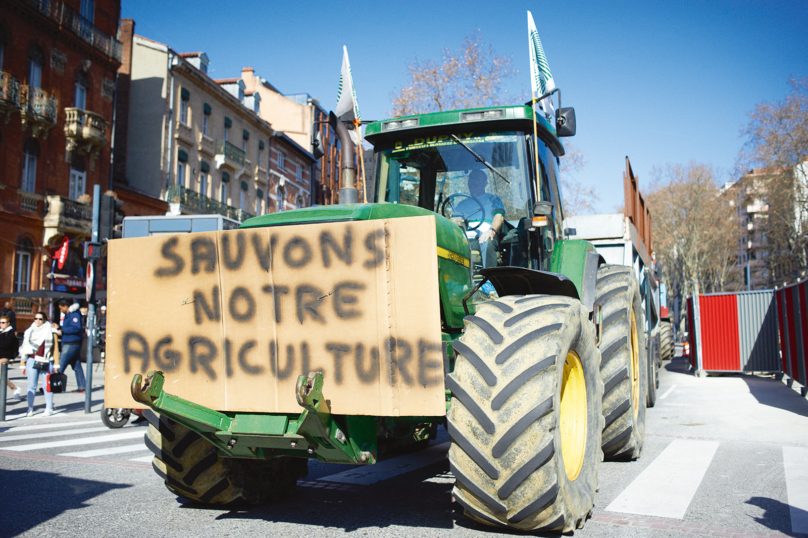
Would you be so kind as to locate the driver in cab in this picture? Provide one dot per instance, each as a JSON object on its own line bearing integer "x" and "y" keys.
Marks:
{"x": 490, "y": 217}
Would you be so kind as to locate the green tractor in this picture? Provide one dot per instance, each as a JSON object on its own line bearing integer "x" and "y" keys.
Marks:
{"x": 545, "y": 369}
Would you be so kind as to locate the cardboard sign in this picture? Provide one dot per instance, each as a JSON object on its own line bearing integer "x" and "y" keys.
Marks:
{"x": 234, "y": 317}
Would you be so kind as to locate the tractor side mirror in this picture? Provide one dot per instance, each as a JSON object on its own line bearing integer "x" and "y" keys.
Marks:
{"x": 565, "y": 122}
{"x": 318, "y": 150}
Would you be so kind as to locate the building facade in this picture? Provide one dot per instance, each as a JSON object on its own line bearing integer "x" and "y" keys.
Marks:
{"x": 198, "y": 143}
{"x": 58, "y": 65}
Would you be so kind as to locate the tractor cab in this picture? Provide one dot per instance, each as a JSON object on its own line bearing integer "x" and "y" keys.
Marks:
{"x": 476, "y": 168}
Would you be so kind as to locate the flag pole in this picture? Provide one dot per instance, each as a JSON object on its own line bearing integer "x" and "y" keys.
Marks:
{"x": 536, "y": 148}
{"x": 358, "y": 124}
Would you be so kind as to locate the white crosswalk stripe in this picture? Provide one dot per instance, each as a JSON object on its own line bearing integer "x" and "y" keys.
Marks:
{"x": 78, "y": 442}
{"x": 61, "y": 433}
{"x": 144, "y": 459}
{"x": 49, "y": 426}
{"x": 140, "y": 447}
{"x": 681, "y": 467}
{"x": 795, "y": 461}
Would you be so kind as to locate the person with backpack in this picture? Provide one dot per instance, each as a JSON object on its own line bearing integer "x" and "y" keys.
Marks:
{"x": 72, "y": 333}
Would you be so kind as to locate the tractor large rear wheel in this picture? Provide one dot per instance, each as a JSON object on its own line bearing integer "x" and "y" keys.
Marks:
{"x": 525, "y": 417}
{"x": 624, "y": 366}
{"x": 192, "y": 468}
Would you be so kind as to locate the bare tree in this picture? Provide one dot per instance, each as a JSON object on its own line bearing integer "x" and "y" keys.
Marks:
{"x": 696, "y": 231}
{"x": 578, "y": 200}
{"x": 777, "y": 142}
{"x": 469, "y": 77}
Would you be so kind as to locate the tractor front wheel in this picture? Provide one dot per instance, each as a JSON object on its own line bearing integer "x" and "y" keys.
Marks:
{"x": 192, "y": 468}
{"x": 525, "y": 416}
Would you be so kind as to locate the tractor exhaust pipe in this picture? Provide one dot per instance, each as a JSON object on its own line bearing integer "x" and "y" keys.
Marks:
{"x": 348, "y": 193}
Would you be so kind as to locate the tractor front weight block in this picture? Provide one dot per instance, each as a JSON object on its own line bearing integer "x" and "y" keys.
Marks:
{"x": 314, "y": 433}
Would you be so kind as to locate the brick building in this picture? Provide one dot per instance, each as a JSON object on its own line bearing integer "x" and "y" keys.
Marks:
{"x": 58, "y": 65}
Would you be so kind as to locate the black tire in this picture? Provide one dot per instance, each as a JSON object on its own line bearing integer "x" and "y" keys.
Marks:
{"x": 192, "y": 468}
{"x": 666, "y": 344}
{"x": 625, "y": 386}
{"x": 653, "y": 372}
{"x": 114, "y": 417}
{"x": 505, "y": 417}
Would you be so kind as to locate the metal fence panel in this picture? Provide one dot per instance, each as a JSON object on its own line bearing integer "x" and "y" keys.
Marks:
{"x": 801, "y": 365}
{"x": 780, "y": 299}
{"x": 757, "y": 332}
{"x": 719, "y": 333}
{"x": 691, "y": 331}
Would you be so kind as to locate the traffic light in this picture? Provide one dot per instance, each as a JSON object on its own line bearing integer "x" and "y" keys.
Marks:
{"x": 110, "y": 217}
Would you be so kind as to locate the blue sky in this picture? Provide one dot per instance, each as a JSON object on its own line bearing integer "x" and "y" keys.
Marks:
{"x": 661, "y": 82}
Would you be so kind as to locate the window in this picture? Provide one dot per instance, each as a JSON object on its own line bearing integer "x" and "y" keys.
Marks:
{"x": 240, "y": 94}
{"x": 205, "y": 125}
{"x": 88, "y": 9}
{"x": 280, "y": 195}
{"x": 78, "y": 178}
{"x": 181, "y": 173}
{"x": 241, "y": 200}
{"x": 258, "y": 206}
{"x": 226, "y": 133}
{"x": 184, "y": 111}
{"x": 281, "y": 161}
{"x": 300, "y": 173}
{"x": 22, "y": 265}
{"x": 29, "y": 157}
{"x": 80, "y": 97}
{"x": 36, "y": 59}
{"x": 203, "y": 183}
{"x": 223, "y": 193}
{"x": 260, "y": 157}
{"x": 244, "y": 145}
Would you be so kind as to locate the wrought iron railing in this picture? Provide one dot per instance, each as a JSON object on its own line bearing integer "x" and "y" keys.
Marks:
{"x": 9, "y": 89}
{"x": 69, "y": 18}
{"x": 230, "y": 152}
{"x": 202, "y": 204}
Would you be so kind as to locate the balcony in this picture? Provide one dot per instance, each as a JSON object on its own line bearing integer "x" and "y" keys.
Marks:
{"x": 197, "y": 203}
{"x": 261, "y": 174}
{"x": 184, "y": 133}
{"x": 39, "y": 109}
{"x": 65, "y": 216}
{"x": 207, "y": 145}
{"x": 9, "y": 95}
{"x": 228, "y": 155}
{"x": 86, "y": 134}
{"x": 67, "y": 17}
{"x": 757, "y": 207}
{"x": 30, "y": 201}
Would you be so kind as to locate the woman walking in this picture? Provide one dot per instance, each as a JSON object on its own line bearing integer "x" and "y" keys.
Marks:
{"x": 9, "y": 345}
{"x": 38, "y": 334}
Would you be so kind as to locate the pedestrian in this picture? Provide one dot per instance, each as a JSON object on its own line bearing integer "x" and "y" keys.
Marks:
{"x": 72, "y": 333}
{"x": 38, "y": 336}
{"x": 7, "y": 311}
{"x": 9, "y": 345}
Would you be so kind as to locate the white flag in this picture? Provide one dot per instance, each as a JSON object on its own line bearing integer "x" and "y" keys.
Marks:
{"x": 347, "y": 107}
{"x": 541, "y": 79}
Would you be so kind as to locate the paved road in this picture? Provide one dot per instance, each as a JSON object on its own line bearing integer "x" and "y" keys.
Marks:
{"x": 724, "y": 456}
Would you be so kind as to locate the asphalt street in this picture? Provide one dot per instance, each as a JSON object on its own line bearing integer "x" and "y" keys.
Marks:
{"x": 724, "y": 456}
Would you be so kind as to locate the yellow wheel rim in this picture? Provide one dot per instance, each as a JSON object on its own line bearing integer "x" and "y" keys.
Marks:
{"x": 635, "y": 365}
{"x": 573, "y": 415}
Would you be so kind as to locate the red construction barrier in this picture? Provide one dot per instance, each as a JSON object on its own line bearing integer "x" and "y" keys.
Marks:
{"x": 792, "y": 315}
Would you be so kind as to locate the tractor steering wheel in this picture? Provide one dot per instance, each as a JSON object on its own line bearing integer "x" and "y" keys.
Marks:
{"x": 467, "y": 218}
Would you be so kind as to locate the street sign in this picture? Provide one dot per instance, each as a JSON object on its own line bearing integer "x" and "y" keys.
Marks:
{"x": 92, "y": 251}
{"x": 90, "y": 279}
{"x": 62, "y": 253}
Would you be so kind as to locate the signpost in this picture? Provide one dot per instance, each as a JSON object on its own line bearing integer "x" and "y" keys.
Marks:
{"x": 88, "y": 395}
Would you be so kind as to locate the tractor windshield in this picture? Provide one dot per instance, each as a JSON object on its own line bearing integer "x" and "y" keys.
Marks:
{"x": 483, "y": 176}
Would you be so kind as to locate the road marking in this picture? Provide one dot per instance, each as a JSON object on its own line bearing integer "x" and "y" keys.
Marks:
{"x": 107, "y": 451}
{"x": 145, "y": 459}
{"x": 795, "y": 462}
{"x": 667, "y": 393}
{"x": 370, "y": 474}
{"x": 5, "y": 439}
{"x": 46, "y": 426}
{"x": 681, "y": 468}
{"x": 76, "y": 442}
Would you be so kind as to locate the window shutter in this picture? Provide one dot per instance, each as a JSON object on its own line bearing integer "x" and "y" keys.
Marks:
{"x": 185, "y": 94}
{"x": 206, "y": 109}
{"x": 182, "y": 156}
{"x": 260, "y": 194}
{"x": 228, "y": 122}
{"x": 246, "y": 134}
{"x": 244, "y": 186}
{"x": 260, "y": 144}
{"x": 204, "y": 166}
{"x": 225, "y": 177}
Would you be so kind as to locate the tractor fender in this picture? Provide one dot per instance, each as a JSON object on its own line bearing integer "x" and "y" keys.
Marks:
{"x": 524, "y": 281}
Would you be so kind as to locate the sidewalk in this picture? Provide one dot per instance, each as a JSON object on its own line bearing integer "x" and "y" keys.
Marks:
{"x": 66, "y": 405}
